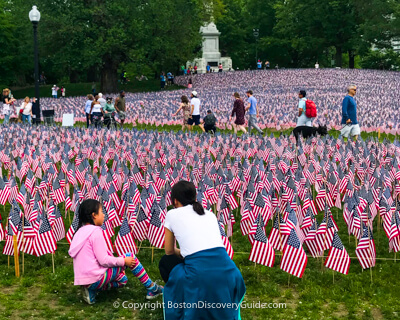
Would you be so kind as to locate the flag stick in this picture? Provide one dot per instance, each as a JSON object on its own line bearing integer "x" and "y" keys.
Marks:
{"x": 16, "y": 256}
{"x": 23, "y": 243}
{"x": 369, "y": 241}
{"x": 52, "y": 260}
{"x": 333, "y": 276}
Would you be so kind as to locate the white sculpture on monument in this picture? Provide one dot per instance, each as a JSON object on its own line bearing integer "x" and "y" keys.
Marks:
{"x": 210, "y": 48}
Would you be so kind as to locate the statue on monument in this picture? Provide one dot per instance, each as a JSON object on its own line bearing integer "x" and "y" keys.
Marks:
{"x": 210, "y": 48}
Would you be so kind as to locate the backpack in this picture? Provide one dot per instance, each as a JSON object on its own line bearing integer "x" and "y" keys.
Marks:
{"x": 311, "y": 109}
{"x": 209, "y": 120}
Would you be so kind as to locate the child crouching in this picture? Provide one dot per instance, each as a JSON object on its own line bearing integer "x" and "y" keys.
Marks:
{"x": 95, "y": 268}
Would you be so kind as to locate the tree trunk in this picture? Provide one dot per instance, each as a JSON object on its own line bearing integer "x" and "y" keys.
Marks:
{"x": 338, "y": 57}
{"x": 109, "y": 76}
{"x": 74, "y": 76}
{"x": 351, "y": 59}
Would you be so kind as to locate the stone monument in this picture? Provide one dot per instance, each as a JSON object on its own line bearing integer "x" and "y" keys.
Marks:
{"x": 211, "y": 54}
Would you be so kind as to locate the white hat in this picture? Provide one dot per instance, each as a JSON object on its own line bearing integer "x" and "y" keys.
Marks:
{"x": 194, "y": 93}
{"x": 100, "y": 95}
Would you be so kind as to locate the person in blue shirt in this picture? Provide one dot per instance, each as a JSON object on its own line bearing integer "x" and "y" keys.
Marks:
{"x": 162, "y": 78}
{"x": 302, "y": 119}
{"x": 259, "y": 64}
{"x": 349, "y": 122}
{"x": 208, "y": 68}
{"x": 253, "y": 112}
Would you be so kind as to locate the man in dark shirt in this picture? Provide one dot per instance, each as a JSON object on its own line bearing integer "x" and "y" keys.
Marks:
{"x": 209, "y": 122}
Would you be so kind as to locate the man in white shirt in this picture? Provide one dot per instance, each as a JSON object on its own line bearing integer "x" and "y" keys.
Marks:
{"x": 54, "y": 90}
{"x": 102, "y": 100}
{"x": 194, "y": 117}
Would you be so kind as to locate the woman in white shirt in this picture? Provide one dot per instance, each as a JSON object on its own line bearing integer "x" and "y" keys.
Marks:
{"x": 26, "y": 108}
{"x": 96, "y": 112}
{"x": 200, "y": 271}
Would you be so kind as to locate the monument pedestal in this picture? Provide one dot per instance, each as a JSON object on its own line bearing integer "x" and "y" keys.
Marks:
{"x": 211, "y": 54}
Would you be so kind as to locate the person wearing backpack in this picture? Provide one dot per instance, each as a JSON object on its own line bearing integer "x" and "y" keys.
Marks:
{"x": 209, "y": 122}
{"x": 304, "y": 118}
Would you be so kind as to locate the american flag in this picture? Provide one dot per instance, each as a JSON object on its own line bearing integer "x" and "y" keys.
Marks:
{"x": 365, "y": 250}
{"x": 311, "y": 242}
{"x": 338, "y": 259}
{"x": 15, "y": 218}
{"x": 124, "y": 242}
{"x": 74, "y": 225}
{"x": 225, "y": 240}
{"x": 58, "y": 226}
{"x": 58, "y": 192}
{"x": 262, "y": 251}
{"x": 156, "y": 231}
{"x": 44, "y": 241}
{"x": 294, "y": 258}
{"x": 4, "y": 192}
{"x": 141, "y": 225}
{"x": 279, "y": 233}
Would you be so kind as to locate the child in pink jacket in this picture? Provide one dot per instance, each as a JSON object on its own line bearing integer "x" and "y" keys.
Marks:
{"x": 95, "y": 268}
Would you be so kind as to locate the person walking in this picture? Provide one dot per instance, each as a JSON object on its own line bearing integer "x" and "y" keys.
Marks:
{"x": 302, "y": 119}
{"x": 108, "y": 112}
{"x": 62, "y": 91}
{"x": 7, "y": 105}
{"x": 102, "y": 100}
{"x": 194, "y": 116}
{"x": 26, "y": 108}
{"x": 185, "y": 108}
{"x": 253, "y": 112}
{"x": 351, "y": 128}
{"x": 120, "y": 106}
{"x": 96, "y": 111}
{"x": 239, "y": 111}
{"x": 88, "y": 106}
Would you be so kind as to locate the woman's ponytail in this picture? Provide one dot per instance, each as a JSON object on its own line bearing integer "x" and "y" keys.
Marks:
{"x": 198, "y": 208}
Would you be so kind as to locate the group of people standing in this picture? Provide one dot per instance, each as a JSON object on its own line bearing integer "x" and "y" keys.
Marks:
{"x": 24, "y": 112}
{"x": 97, "y": 107}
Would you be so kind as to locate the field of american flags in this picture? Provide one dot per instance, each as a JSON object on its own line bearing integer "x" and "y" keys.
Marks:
{"x": 225, "y": 178}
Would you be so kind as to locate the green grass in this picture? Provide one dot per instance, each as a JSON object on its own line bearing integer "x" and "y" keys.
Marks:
{"x": 320, "y": 294}
{"x": 82, "y": 89}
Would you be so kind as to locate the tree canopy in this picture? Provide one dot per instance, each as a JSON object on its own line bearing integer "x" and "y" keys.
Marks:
{"x": 92, "y": 40}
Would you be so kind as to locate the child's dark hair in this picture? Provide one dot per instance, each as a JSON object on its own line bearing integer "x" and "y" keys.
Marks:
{"x": 185, "y": 193}
{"x": 86, "y": 209}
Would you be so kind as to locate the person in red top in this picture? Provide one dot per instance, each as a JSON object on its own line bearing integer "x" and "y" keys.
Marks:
{"x": 220, "y": 67}
{"x": 239, "y": 110}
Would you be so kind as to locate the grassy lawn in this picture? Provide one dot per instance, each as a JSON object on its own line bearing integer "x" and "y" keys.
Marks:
{"x": 320, "y": 294}
{"x": 82, "y": 89}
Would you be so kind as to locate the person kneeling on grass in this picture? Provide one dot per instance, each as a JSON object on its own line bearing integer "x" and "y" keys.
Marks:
{"x": 95, "y": 268}
{"x": 200, "y": 271}
{"x": 209, "y": 122}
